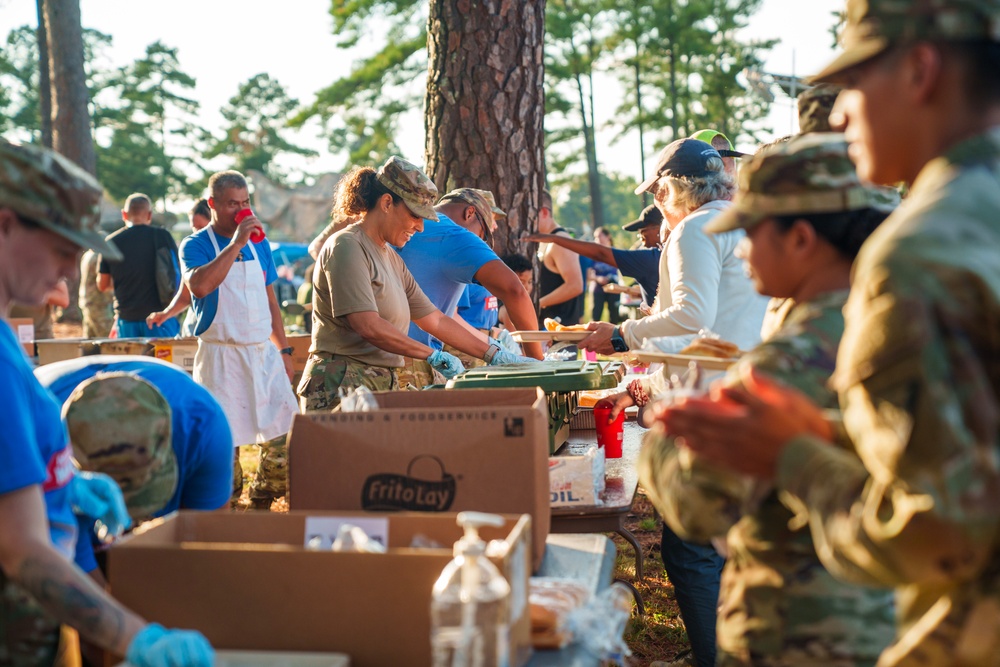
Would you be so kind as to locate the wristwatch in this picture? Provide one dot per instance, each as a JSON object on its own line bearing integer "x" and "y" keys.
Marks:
{"x": 286, "y": 350}
{"x": 617, "y": 341}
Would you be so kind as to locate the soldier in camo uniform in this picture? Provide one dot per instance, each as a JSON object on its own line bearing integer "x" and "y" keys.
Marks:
{"x": 918, "y": 369}
{"x": 806, "y": 215}
{"x": 814, "y": 107}
{"x": 364, "y": 298}
{"x": 97, "y": 306}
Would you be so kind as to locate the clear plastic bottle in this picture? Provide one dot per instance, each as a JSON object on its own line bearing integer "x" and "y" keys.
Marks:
{"x": 469, "y": 613}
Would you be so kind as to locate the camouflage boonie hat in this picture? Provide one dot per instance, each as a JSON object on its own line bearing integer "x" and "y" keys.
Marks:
{"x": 408, "y": 182}
{"x": 815, "y": 105}
{"x": 809, "y": 174}
{"x": 49, "y": 190}
{"x": 476, "y": 200}
{"x": 120, "y": 425}
{"x": 874, "y": 25}
{"x": 488, "y": 196}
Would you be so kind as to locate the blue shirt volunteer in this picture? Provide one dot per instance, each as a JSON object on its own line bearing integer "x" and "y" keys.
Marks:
{"x": 643, "y": 265}
{"x": 478, "y": 307}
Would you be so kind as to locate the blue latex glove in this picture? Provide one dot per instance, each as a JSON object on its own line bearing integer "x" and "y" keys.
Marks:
{"x": 507, "y": 342}
{"x": 446, "y": 364}
{"x": 155, "y": 646}
{"x": 97, "y": 496}
{"x": 504, "y": 357}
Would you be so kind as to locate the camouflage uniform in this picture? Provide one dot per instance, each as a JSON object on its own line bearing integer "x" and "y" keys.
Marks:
{"x": 779, "y": 606}
{"x": 467, "y": 360}
{"x": 815, "y": 106}
{"x": 97, "y": 306}
{"x": 325, "y": 374}
{"x": 417, "y": 374}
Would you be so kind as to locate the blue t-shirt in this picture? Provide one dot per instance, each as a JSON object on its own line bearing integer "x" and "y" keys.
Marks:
{"x": 197, "y": 250}
{"x": 478, "y": 307}
{"x": 642, "y": 264}
{"x": 443, "y": 259}
{"x": 34, "y": 444}
{"x": 202, "y": 441}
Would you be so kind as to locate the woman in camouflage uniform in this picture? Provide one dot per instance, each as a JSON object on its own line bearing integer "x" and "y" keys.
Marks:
{"x": 806, "y": 216}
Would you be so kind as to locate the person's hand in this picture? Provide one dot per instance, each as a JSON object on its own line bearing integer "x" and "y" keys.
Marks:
{"x": 744, "y": 429}
{"x": 155, "y": 646}
{"x": 600, "y": 340}
{"x": 507, "y": 342}
{"x": 289, "y": 366}
{"x": 537, "y": 238}
{"x": 617, "y": 403}
{"x": 97, "y": 496}
{"x": 504, "y": 357}
{"x": 245, "y": 229}
{"x": 446, "y": 364}
{"x": 157, "y": 318}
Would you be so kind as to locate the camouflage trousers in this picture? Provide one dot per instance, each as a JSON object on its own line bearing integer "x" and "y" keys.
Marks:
{"x": 97, "y": 324}
{"x": 270, "y": 481}
{"x": 29, "y": 637}
{"x": 467, "y": 361}
{"x": 417, "y": 374}
{"x": 325, "y": 374}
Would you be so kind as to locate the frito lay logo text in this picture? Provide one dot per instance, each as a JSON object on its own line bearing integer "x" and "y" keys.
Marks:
{"x": 391, "y": 491}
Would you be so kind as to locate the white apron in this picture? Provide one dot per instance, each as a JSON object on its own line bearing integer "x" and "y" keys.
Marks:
{"x": 237, "y": 362}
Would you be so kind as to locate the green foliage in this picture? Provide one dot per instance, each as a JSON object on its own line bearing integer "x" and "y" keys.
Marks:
{"x": 257, "y": 117}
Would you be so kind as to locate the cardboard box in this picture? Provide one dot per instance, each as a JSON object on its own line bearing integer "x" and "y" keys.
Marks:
{"x": 300, "y": 354}
{"x": 247, "y": 582}
{"x": 577, "y": 479}
{"x": 429, "y": 451}
{"x": 272, "y": 658}
{"x": 130, "y": 346}
{"x": 24, "y": 329}
{"x": 60, "y": 349}
{"x": 178, "y": 351}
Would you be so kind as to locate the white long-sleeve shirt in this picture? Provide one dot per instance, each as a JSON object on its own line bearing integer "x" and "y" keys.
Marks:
{"x": 702, "y": 286}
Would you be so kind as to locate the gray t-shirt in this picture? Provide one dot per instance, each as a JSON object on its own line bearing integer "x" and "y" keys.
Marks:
{"x": 355, "y": 275}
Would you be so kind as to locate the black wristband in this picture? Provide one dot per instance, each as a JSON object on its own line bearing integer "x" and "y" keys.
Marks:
{"x": 287, "y": 350}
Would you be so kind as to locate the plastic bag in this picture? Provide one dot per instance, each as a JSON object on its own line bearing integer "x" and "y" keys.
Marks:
{"x": 352, "y": 538}
{"x": 359, "y": 399}
{"x": 551, "y": 600}
{"x": 599, "y": 625}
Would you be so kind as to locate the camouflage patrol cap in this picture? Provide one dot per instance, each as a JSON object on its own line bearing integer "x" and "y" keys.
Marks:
{"x": 45, "y": 188}
{"x": 120, "y": 425}
{"x": 497, "y": 211}
{"x": 407, "y": 181}
{"x": 815, "y": 105}
{"x": 809, "y": 174}
{"x": 874, "y": 25}
{"x": 476, "y": 200}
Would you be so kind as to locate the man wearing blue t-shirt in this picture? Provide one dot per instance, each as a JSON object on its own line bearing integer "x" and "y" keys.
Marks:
{"x": 236, "y": 312}
{"x": 452, "y": 253}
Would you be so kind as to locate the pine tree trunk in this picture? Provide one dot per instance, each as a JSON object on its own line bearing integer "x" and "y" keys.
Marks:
{"x": 484, "y": 105}
{"x": 44, "y": 86}
{"x": 71, "y": 134}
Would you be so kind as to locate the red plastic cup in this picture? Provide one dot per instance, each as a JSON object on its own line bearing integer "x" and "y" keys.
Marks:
{"x": 609, "y": 433}
{"x": 258, "y": 235}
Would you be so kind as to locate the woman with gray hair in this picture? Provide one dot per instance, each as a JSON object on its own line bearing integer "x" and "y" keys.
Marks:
{"x": 702, "y": 282}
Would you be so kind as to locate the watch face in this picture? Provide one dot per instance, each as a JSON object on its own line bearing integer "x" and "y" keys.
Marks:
{"x": 619, "y": 345}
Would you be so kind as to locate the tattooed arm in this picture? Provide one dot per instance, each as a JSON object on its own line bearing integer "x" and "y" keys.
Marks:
{"x": 28, "y": 557}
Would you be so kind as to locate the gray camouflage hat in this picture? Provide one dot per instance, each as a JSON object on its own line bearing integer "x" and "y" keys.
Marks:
{"x": 497, "y": 211}
{"x": 120, "y": 425}
{"x": 408, "y": 182}
{"x": 874, "y": 25}
{"x": 47, "y": 189}
{"x": 812, "y": 173}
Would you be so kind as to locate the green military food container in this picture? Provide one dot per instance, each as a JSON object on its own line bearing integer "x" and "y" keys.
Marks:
{"x": 559, "y": 379}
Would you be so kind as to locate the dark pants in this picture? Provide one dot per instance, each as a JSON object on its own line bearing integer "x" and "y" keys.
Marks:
{"x": 600, "y": 298}
{"x": 694, "y": 569}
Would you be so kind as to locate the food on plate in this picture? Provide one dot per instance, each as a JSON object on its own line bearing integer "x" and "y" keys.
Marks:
{"x": 710, "y": 347}
{"x": 552, "y": 325}
{"x": 551, "y": 601}
{"x": 590, "y": 397}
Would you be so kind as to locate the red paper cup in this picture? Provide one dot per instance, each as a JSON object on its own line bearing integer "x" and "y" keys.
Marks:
{"x": 609, "y": 433}
{"x": 242, "y": 215}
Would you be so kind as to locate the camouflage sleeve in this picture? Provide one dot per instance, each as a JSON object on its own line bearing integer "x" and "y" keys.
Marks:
{"x": 920, "y": 505}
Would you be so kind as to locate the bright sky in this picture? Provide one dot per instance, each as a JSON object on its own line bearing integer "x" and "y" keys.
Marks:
{"x": 223, "y": 44}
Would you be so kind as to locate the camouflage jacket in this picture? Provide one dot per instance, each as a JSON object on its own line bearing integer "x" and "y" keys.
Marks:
{"x": 97, "y": 306}
{"x": 918, "y": 375}
{"x": 778, "y": 605}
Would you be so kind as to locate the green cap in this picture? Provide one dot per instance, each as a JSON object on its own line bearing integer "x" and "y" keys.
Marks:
{"x": 809, "y": 174}
{"x": 708, "y": 135}
{"x": 815, "y": 105}
{"x": 46, "y": 188}
{"x": 497, "y": 211}
{"x": 120, "y": 425}
{"x": 407, "y": 181}
{"x": 874, "y": 25}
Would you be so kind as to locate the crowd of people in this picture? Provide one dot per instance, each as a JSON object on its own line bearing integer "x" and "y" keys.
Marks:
{"x": 831, "y": 501}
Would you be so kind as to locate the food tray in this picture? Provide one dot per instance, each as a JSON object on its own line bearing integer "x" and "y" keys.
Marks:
{"x": 554, "y": 336}
{"x": 708, "y": 363}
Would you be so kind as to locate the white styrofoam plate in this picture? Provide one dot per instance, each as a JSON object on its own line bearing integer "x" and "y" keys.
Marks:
{"x": 555, "y": 336}
{"x": 708, "y": 363}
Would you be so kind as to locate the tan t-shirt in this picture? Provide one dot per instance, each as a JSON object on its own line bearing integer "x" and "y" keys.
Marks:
{"x": 354, "y": 275}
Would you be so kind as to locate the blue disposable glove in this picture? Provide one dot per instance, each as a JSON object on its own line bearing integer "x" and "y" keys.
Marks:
{"x": 97, "y": 496}
{"x": 446, "y": 364}
{"x": 503, "y": 357}
{"x": 507, "y": 342}
{"x": 155, "y": 646}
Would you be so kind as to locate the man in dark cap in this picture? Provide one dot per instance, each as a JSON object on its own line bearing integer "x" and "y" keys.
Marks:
{"x": 917, "y": 369}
